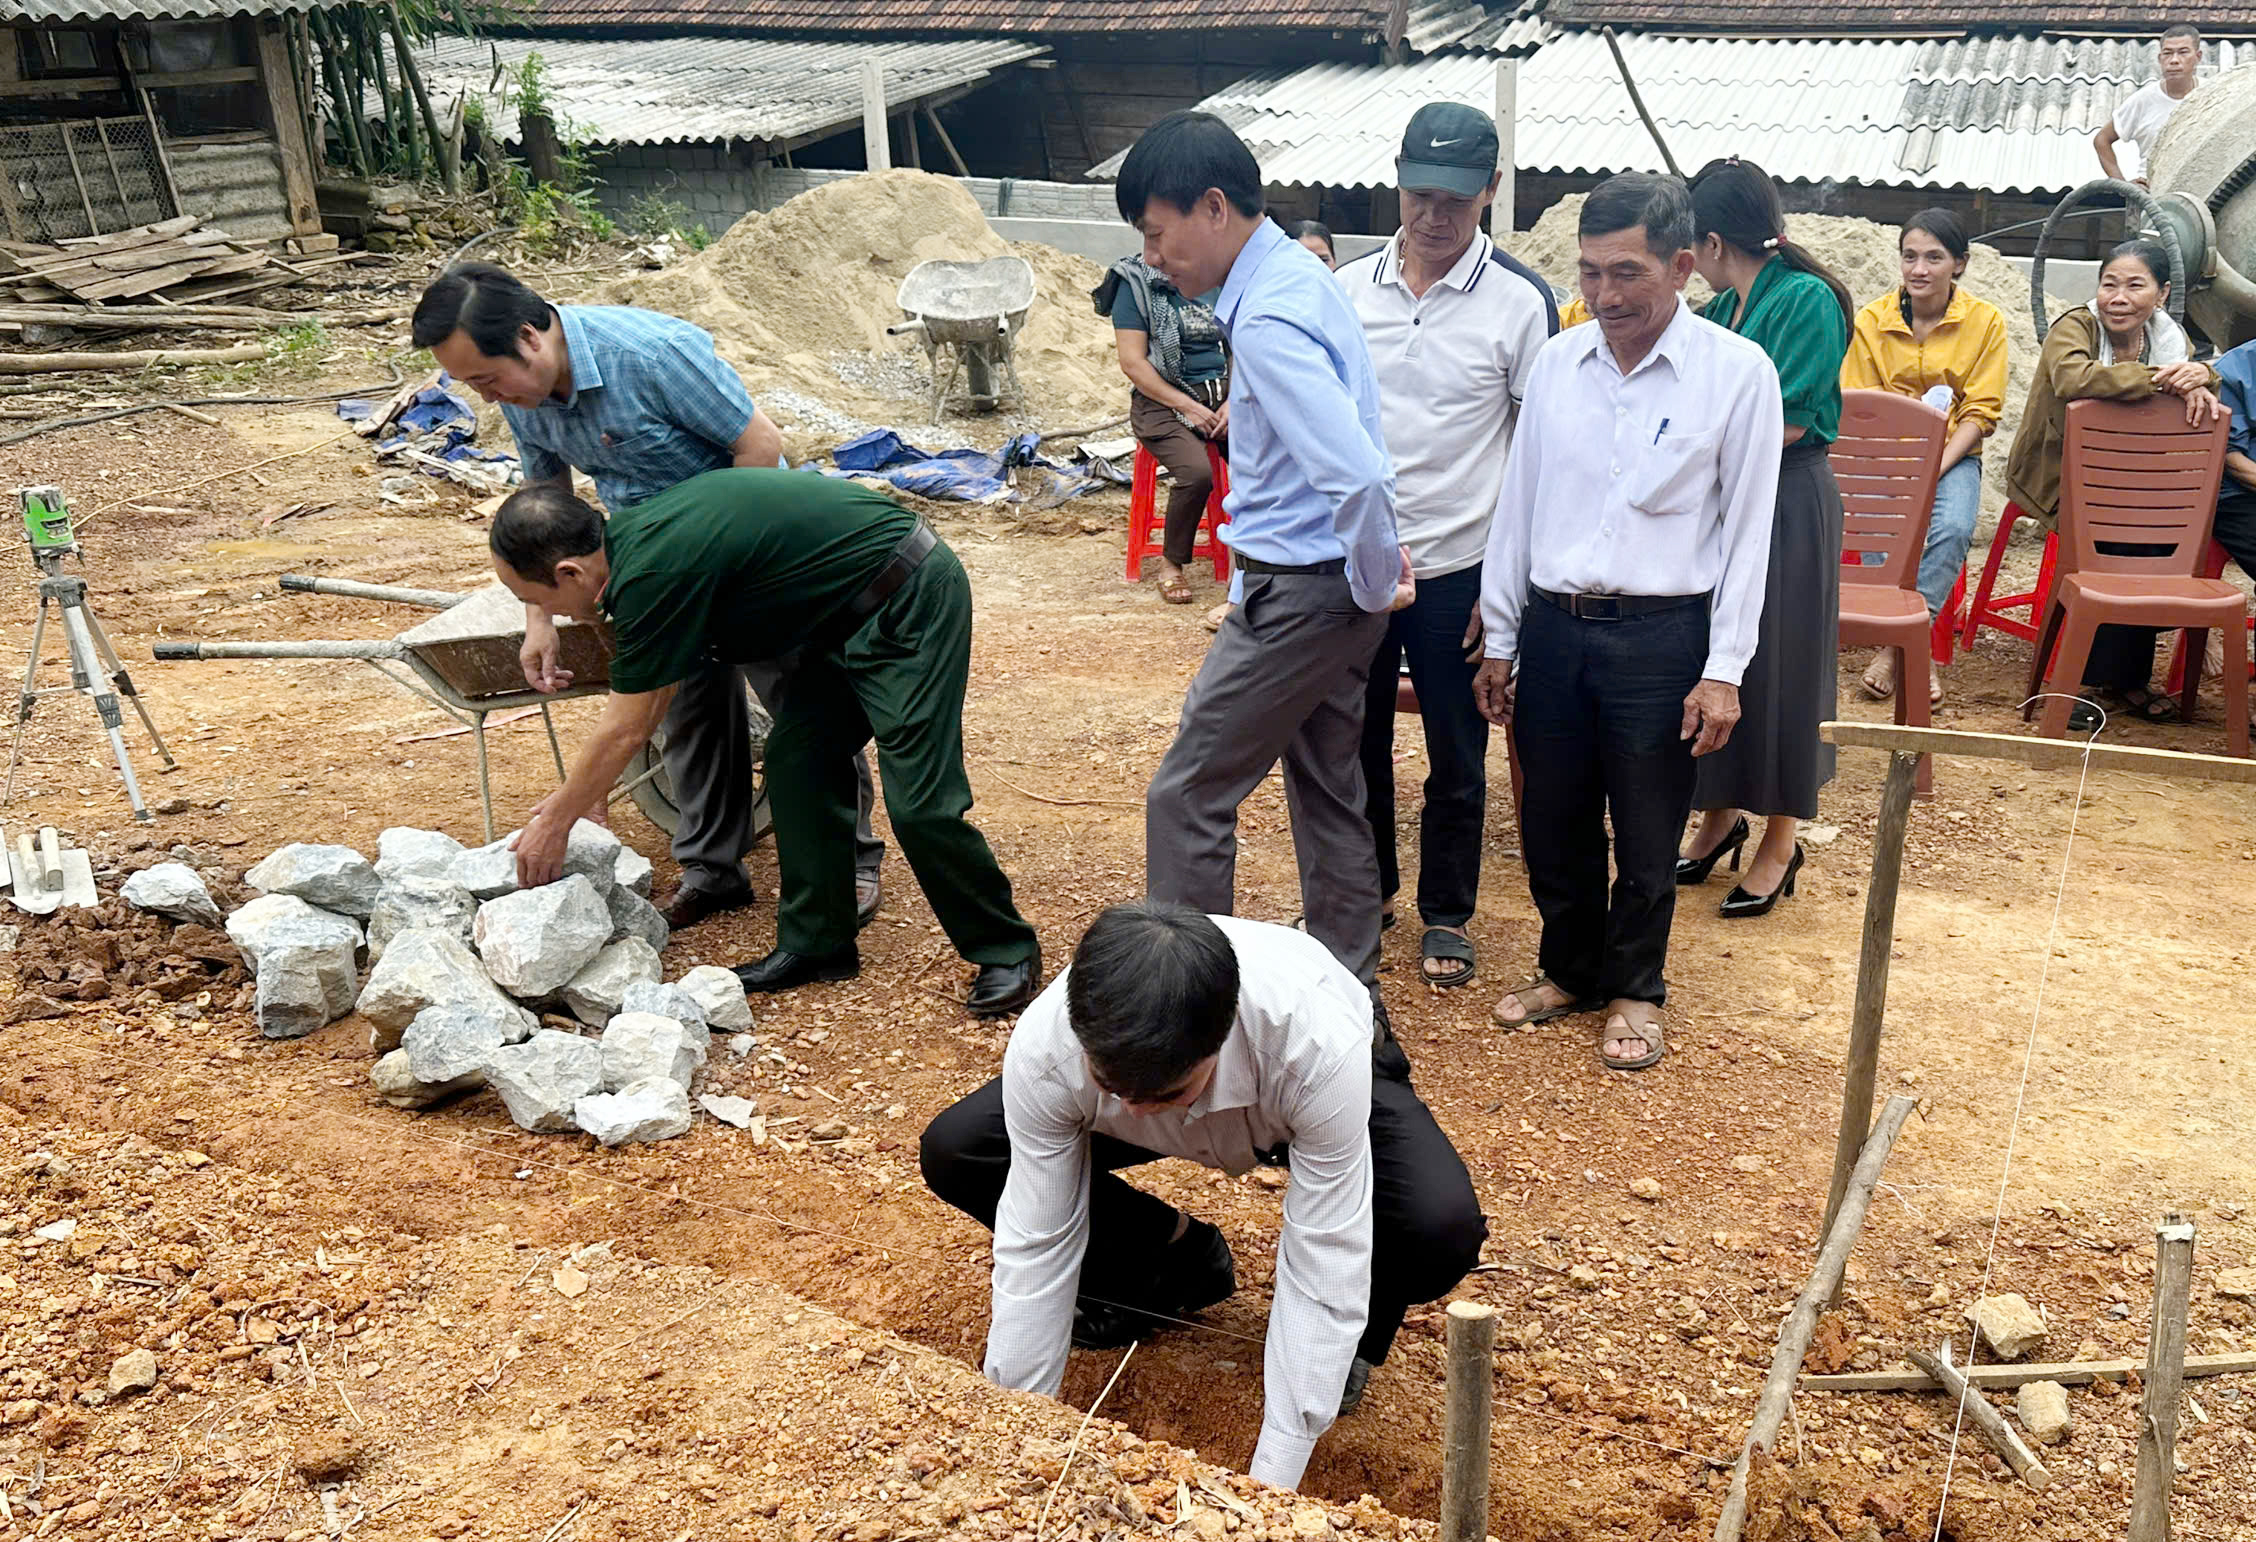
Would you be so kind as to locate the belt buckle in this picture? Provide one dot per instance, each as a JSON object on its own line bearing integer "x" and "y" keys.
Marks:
{"x": 1597, "y": 607}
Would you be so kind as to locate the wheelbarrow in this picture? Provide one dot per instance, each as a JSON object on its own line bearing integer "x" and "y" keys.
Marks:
{"x": 464, "y": 662}
{"x": 972, "y": 311}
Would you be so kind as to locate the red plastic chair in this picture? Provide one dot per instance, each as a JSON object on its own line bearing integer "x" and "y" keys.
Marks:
{"x": 2136, "y": 474}
{"x": 2212, "y": 566}
{"x": 1887, "y": 460}
{"x": 1941, "y": 641}
{"x": 1144, "y": 520}
{"x": 1995, "y": 613}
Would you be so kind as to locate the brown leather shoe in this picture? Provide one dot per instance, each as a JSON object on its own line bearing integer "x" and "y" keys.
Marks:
{"x": 684, "y": 905}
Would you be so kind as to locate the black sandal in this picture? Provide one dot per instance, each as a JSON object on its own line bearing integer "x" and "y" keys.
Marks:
{"x": 1442, "y": 943}
{"x": 2146, "y": 705}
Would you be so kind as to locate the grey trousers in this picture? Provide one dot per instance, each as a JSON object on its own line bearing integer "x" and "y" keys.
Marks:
{"x": 709, "y": 760}
{"x": 1284, "y": 679}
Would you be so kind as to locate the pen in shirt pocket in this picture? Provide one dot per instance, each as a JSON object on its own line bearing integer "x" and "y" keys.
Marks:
{"x": 1660, "y": 431}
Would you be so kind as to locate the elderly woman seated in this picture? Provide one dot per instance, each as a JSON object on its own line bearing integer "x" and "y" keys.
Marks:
{"x": 2121, "y": 347}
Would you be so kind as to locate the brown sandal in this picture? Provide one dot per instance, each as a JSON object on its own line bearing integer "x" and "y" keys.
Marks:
{"x": 1175, "y": 591}
{"x": 1654, "y": 1034}
{"x": 1535, "y": 1014}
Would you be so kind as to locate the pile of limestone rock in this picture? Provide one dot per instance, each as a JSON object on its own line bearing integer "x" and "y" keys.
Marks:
{"x": 462, "y": 966}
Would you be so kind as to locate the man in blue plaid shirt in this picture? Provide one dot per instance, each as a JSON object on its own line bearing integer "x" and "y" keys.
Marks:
{"x": 640, "y": 402}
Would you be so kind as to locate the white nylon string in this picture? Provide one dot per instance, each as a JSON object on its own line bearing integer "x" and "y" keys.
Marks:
{"x": 2020, "y": 1097}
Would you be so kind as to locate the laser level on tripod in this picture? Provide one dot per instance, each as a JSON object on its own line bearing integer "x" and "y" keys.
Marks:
{"x": 96, "y": 671}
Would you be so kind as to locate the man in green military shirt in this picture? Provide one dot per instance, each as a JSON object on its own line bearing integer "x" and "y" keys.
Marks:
{"x": 742, "y": 564}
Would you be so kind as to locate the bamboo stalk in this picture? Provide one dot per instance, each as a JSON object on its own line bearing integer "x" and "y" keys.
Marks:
{"x": 348, "y": 107}
{"x": 449, "y": 172}
{"x": 37, "y": 363}
{"x": 1465, "y": 1441}
{"x": 1985, "y": 1419}
{"x": 2165, "y": 1375}
{"x": 1801, "y": 1323}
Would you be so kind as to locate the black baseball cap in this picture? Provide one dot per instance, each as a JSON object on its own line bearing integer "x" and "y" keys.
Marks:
{"x": 1448, "y": 148}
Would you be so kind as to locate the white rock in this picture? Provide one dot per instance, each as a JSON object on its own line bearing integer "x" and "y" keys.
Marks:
{"x": 2008, "y": 1324}
{"x": 595, "y": 994}
{"x": 427, "y": 969}
{"x": 742, "y": 1044}
{"x": 656, "y": 1109}
{"x": 453, "y": 1042}
{"x": 172, "y": 889}
{"x": 410, "y": 901}
{"x": 488, "y": 872}
{"x": 593, "y": 852}
{"x": 721, "y": 994}
{"x": 133, "y": 1371}
{"x": 303, "y": 986}
{"x": 2043, "y": 1409}
{"x": 632, "y": 871}
{"x": 332, "y": 877}
{"x": 638, "y": 1046}
{"x": 665, "y": 1000}
{"x": 535, "y": 940}
{"x": 396, "y": 1084}
{"x": 402, "y": 852}
{"x": 634, "y": 916}
{"x": 737, "y": 1111}
{"x": 540, "y": 1079}
{"x": 284, "y": 919}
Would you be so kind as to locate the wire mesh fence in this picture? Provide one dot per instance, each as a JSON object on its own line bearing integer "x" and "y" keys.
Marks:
{"x": 82, "y": 177}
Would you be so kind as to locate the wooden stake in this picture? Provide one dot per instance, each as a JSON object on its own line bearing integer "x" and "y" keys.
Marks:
{"x": 2069, "y": 1373}
{"x": 1464, "y": 1440}
{"x": 1638, "y": 102}
{"x": 1860, "y": 1077}
{"x": 954, "y": 158}
{"x": 2165, "y": 1373}
{"x": 877, "y": 143}
{"x": 1984, "y": 1418}
{"x": 2044, "y": 754}
{"x": 1801, "y": 1323}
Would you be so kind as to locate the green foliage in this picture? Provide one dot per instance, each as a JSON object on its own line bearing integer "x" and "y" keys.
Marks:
{"x": 550, "y": 216}
{"x": 652, "y": 215}
{"x": 301, "y": 344}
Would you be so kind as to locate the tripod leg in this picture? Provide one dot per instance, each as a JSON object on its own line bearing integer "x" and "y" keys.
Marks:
{"x": 554, "y": 748}
{"x": 124, "y": 684}
{"x": 87, "y": 666}
{"x": 485, "y": 781}
{"x": 30, "y": 696}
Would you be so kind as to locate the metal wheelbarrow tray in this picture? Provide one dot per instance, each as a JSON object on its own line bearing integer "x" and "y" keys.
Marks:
{"x": 464, "y": 662}
{"x": 975, "y": 311}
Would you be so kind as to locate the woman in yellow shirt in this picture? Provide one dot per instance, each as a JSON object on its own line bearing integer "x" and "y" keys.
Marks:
{"x": 1931, "y": 339}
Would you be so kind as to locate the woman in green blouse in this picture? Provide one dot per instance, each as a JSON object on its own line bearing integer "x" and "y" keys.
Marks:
{"x": 1774, "y": 293}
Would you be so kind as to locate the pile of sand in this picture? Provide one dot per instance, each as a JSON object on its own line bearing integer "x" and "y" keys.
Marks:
{"x": 1863, "y": 256}
{"x": 790, "y": 294}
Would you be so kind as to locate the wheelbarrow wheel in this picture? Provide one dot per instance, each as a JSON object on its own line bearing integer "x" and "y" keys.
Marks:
{"x": 979, "y": 376}
{"x": 653, "y": 789}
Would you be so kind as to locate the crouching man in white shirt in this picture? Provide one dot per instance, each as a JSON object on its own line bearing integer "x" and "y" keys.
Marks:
{"x": 1233, "y": 1044}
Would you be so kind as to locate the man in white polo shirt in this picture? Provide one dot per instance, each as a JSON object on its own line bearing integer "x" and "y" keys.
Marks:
{"x": 1453, "y": 325}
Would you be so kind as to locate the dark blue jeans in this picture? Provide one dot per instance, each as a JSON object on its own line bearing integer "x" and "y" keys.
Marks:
{"x": 1597, "y": 721}
{"x": 1431, "y": 635}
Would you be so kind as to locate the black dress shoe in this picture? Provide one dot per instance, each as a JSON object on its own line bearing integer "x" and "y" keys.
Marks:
{"x": 785, "y": 970}
{"x": 1001, "y": 989}
{"x": 686, "y": 906}
{"x": 1358, "y": 1378}
{"x": 865, "y": 911}
{"x": 1696, "y": 869}
{"x": 1740, "y": 905}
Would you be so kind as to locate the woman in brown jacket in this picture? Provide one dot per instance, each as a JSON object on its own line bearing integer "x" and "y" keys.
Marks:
{"x": 2122, "y": 347}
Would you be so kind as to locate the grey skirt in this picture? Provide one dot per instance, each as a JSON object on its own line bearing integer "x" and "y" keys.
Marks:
{"x": 1775, "y": 762}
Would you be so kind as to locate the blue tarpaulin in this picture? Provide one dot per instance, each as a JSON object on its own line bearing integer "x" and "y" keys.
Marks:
{"x": 960, "y": 475}
{"x": 435, "y": 423}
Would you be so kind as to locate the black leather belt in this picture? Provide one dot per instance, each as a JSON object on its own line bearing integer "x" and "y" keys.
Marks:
{"x": 1615, "y": 607}
{"x": 1306, "y": 570}
{"x": 914, "y": 548}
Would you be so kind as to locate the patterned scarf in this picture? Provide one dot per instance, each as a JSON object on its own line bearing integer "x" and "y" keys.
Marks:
{"x": 1168, "y": 314}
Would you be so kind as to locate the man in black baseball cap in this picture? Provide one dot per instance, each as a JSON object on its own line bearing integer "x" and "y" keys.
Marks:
{"x": 1453, "y": 324}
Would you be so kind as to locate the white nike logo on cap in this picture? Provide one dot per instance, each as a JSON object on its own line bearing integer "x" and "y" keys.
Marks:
{"x": 1443, "y": 144}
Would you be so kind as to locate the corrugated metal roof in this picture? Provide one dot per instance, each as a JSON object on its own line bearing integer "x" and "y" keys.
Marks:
{"x": 1362, "y": 19}
{"x": 2010, "y": 114}
{"x": 1434, "y": 25}
{"x": 699, "y": 88}
{"x": 53, "y": 13}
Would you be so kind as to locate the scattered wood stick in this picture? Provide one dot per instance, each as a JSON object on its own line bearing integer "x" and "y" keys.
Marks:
{"x": 1042, "y": 1522}
{"x": 1985, "y": 1419}
{"x": 191, "y": 414}
{"x": 2069, "y": 1373}
{"x": 171, "y": 492}
{"x": 146, "y": 358}
{"x": 1040, "y": 797}
{"x": 570, "y": 1516}
{"x": 1801, "y": 1323}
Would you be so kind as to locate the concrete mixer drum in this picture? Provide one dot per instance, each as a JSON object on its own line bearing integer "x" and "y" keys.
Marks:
{"x": 2204, "y": 178}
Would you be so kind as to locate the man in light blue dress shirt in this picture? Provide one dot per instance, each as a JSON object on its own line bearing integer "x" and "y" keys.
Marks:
{"x": 640, "y": 402}
{"x": 1312, "y": 533}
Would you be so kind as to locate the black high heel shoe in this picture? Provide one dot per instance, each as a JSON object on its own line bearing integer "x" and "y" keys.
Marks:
{"x": 1740, "y": 905}
{"x": 1696, "y": 869}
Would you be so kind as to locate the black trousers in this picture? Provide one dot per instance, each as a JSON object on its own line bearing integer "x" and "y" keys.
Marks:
{"x": 1597, "y": 723}
{"x": 1431, "y": 635}
{"x": 1427, "y": 1226}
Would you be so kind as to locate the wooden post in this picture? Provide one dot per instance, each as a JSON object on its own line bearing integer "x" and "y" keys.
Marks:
{"x": 955, "y": 159}
{"x": 1985, "y": 1419}
{"x": 544, "y": 152}
{"x": 1860, "y": 1076}
{"x": 1638, "y": 102}
{"x": 285, "y": 120}
{"x": 1801, "y": 1323}
{"x": 877, "y": 151}
{"x": 2165, "y": 1373}
{"x": 1501, "y": 212}
{"x": 1465, "y": 1445}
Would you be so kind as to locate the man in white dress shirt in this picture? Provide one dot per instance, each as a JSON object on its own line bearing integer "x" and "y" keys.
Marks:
{"x": 1622, "y": 592}
{"x": 1233, "y": 1044}
{"x": 1454, "y": 324}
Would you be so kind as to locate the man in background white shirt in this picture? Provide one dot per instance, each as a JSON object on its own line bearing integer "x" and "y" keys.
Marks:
{"x": 1624, "y": 581}
{"x": 1453, "y": 325}
{"x": 1231, "y": 1043}
{"x": 2144, "y": 112}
